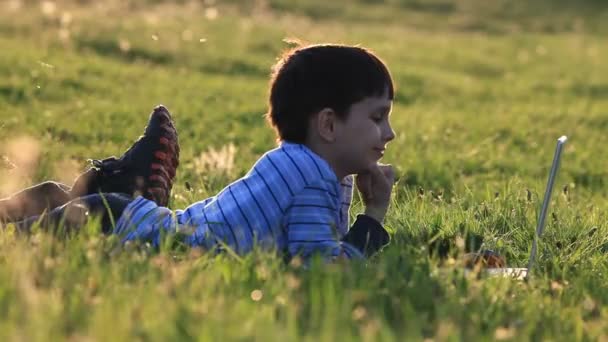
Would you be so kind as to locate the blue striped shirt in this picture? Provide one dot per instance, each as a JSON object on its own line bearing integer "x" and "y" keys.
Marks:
{"x": 290, "y": 201}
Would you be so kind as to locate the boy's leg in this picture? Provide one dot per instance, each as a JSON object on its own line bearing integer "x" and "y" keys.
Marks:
{"x": 33, "y": 201}
{"x": 147, "y": 168}
{"x": 74, "y": 214}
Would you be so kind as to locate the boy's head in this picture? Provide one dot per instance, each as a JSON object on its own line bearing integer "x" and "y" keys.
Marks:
{"x": 308, "y": 79}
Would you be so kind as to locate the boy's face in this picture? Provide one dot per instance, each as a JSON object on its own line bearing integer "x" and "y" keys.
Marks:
{"x": 363, "y": 136}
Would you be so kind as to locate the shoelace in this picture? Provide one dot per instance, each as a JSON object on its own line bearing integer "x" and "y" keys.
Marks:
{"x": 106, "y": 166}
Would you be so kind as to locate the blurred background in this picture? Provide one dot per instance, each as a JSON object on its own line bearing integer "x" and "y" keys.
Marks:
{"x": 484, "y": 88}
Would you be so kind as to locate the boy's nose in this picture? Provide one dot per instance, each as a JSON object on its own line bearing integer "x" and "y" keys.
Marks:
{"x": 389, "y": 133}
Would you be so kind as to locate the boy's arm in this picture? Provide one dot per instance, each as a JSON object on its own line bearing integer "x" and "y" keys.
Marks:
{"x": 367, "y": 235}
{"x": 141, "y": 220}
{"x": 375, "y": 186}
{"x": 311, "y": 225}
{"x": 346, "y": 188}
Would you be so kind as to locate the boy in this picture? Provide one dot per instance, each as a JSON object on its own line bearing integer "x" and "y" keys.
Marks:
{"x": 329, "y": 105}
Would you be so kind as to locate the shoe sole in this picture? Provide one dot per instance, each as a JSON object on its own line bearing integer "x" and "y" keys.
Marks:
{"x": 164, "y": 167}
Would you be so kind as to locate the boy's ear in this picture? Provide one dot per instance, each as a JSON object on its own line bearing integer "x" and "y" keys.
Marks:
{"x": 325, "y": 124}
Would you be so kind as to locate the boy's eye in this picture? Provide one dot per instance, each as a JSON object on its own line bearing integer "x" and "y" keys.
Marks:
{"x": 376, "y": 118}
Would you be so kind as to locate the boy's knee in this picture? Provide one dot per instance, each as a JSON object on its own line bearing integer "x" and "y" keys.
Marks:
{"x": 53, "y": 193}
{"x": 51, "y": 187}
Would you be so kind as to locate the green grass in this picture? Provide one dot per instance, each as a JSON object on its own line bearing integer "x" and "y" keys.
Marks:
{"x": 484, "y": 89}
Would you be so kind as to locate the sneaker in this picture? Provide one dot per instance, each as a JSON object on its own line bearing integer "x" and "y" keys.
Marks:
{"x": 147, "y": 168}
{"x": 485, "y": 258}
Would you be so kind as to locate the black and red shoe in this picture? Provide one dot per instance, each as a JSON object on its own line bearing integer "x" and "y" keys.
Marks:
{"x": 485, "y": 258}
{"x": 147, "y": 168}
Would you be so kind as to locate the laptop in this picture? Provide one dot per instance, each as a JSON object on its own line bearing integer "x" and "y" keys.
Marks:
{"x": 525, "y": 272}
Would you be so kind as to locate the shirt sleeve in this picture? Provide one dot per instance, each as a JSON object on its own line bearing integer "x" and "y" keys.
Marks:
{"x": 367, "y": 235}
{"x": 346, "y": 189}
{"x": 142, "y": 220}
{"x": 311, "y": 223}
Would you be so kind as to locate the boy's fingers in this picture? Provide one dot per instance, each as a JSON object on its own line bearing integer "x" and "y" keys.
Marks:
{"x": 364, "y": 184}
{"x": 376, "y": 171}
{"x": 390, "y": 177}
{"x": 389, "y": 172}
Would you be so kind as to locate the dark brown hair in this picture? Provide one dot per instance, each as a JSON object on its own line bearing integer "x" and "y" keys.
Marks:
{"x": 307, "y": 79}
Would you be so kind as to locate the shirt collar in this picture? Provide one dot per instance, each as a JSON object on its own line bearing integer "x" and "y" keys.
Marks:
{"x": 328, "y": 172}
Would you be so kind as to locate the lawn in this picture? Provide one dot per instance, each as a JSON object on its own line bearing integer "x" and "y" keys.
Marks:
{"x": 483, "y": 91}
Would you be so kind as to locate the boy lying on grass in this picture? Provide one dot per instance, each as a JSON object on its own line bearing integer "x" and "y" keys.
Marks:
{"x": 329, "y": 105}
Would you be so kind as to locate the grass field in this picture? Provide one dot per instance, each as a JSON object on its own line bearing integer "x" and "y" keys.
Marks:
{"x": 484, "y": 89}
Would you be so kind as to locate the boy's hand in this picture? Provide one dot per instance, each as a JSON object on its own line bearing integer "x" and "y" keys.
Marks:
{"x": 375, "y": 187}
